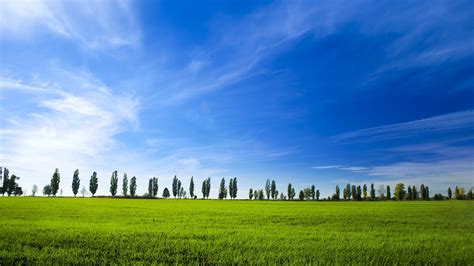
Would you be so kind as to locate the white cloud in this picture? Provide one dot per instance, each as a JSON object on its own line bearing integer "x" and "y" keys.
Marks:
{"x": 92, "y": 24}
{"x": 327, "y": 167}
{"x": 459, "y": 122}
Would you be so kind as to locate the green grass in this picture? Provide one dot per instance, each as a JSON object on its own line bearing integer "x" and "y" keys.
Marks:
{"x": 86, "y": 230}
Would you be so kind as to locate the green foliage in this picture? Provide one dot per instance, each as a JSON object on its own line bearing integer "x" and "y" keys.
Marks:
{"x": 250, "y": 194}
{"x": 125, "y": 184}
{"x": 400, "y": 191}
{"x": 337, "y": 195}
{"x": 372, "y": 191}
{"x": 75, "y": 182}
{"x": 133, "y": 186}
{"x": 389, "y": 195}
{"x": 93, "y": 183}
{"x": 317, "y": 194}
{"x": 347, "y": 192}
{"x": 113, "y": 183}
{"x": 365, "y": 191}
{"x": 166, "y": 193}
{"x": 313, "y": 192}
{"x": 301, "y": 196}
{"x": 273, "y": 190}
{"x": 222, "y": 190}
{"x": 450, "y": 193}
{"x": 55, "y": 182}
{"x": 47, "y": 190}
{"x": 206, "y": 187}
{"x": 153, "y": 187}
{"x": 6, "y": 180}
{"x": 268, "y": 188}
{"x": 191, "y": 187}
{"x": 260, "y": 194}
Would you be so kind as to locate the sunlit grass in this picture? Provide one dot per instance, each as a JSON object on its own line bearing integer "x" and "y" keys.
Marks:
{"x": 88, "y": 230}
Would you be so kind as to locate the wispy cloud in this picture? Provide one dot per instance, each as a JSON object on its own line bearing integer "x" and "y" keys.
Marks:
{"x": 327, "y": 167}
{"x": 459, "y": 122}
{"x": 109, "y": 23}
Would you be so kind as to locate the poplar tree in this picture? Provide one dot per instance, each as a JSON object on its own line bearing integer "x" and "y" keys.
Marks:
{"x": 389, "y": 195}
{"x": 268, "y": 188}
{"x": 93, "y": 184}
{"x": 422, "y": 191}
{"x": 273, "y": 189}
{"x": 250, "y": 194}
{"x": 313, "y": 192}
{"x": 348, "y": 191}
{"x": 301, "y": 196}
{"x": 399, "y": 191}
{"x": 55, "y": 182}
{"x": 317, "y": 194}
{"x": 450, "y": 193}
{"x": 175, "y": 186}
{"x": 222, "y": 189}
{"x": 203, "y": 189}
{"x": 409, "y": 193}
{"x": 372, "y": 191}
{"x": 125, "y": 184}
{"x": 75, "y": 182}
{"x": 191, "y": 187}
{"x": 113, "y": 183}
{"x": 414, "y": 193}
{"x": 133, "y": 186}
{"x": 6, "y": 180}
{"x": 365, "y": 191}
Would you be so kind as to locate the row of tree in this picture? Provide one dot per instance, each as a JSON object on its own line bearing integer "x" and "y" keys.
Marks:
{"x": 129, "y": 188}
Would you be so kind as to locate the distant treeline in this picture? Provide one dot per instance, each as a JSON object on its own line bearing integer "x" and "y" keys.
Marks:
{"x": 129, "y": 188}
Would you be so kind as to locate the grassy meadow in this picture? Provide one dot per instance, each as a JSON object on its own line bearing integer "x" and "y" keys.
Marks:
{"x": 124, "y": 231}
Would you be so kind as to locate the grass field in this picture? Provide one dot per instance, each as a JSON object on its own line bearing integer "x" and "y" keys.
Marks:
{"x": 87, "y": 230}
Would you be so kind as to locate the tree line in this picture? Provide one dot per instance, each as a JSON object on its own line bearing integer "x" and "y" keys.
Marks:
{"x": 129, "y": 189}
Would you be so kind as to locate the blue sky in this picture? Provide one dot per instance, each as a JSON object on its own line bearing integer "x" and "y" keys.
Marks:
{"x": 310, "y": 92}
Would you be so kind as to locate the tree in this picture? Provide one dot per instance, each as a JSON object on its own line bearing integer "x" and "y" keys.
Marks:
{"x": 133, "y": 186}
{"x": 400, "y": 191}
{"x": 155, "y": 186}
{"x": 427, "y": 193}
{"x": 354, "y": 192}
{"x": 93, "y": 184}
{"x": 365, "y": 191}
{"x": 301, "y": 196}
{"x": 113, "y": 183}
{"x": 55, "y": 182}
{"x": 180, "y": 189}
{"x": 268, "y": 188}
{"x": 75, "y": 182}
{"x": 276, "y": 194}
{"x": 389, "y": 195}
{"x": 409, "y": 195}
{"x": 336, "y": 195}
{"x": 175, "y": 186}
{"x": 260, "y": 195}
{"x": 231, "y": 188}
{"x": 208, "y": 188}
{"x": 290, "y": 197}
{"x": 34, "y": 190}
{"x": 313, "y": 192}
{"x": 422, "y": 191}
{"x": 414, "y": 193}
{"x": 13, "y": 187}
{"x": 47, "y": 190}
{"x": 255, "y": 194}
{"x": 348, "y": 191}
{"x": 307, "y": 193}
{"x": 222, "y": 189}
{"x": 203, "y": 189}
{"x": 6, "y": 181}
{"x": 359, "y": 193}
{"x": 317, "y": 194}
{"x": 273, "y": 189}
{"x": 250, "y": 194}
{"x": 372, "y": 191}
{"x": 125, "y": 184}
{"x": 191, "y": 187}
{"x": 450, "y": 193}
{"x": 469, "y": 194}
{"x": 233, "y": 194}
{"x": 166, "y": 193}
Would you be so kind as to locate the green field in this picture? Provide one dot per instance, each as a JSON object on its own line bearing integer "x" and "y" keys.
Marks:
{"x": 90, "y": 230}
